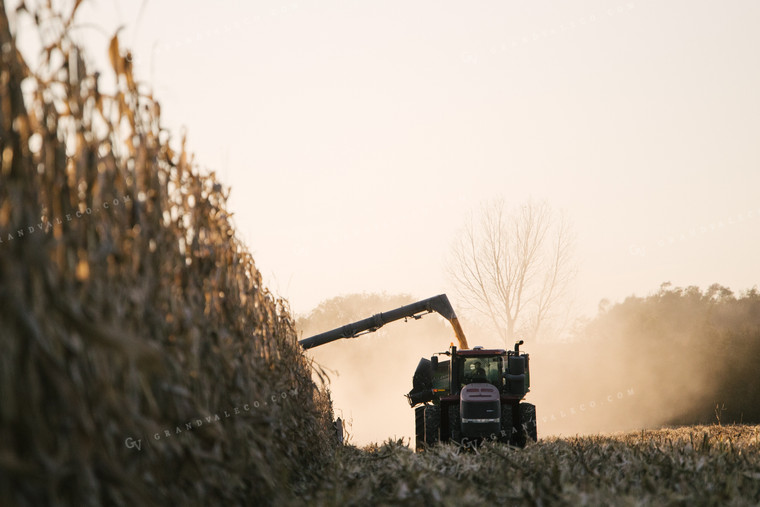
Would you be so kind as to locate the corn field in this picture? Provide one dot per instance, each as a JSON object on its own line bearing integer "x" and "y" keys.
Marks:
{"x": 141, "y": 359}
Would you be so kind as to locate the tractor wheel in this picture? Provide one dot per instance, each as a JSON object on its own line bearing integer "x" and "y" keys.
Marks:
{"x": 419, "y": 428}
{"x": 507, "y": 426}
{"x": 432, "y": 424}
{"x": 455, "y": 424}
{"x": 528, "y": 420}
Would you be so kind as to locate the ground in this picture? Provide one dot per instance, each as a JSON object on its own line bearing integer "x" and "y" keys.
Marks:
{"x": 697, "y": 465}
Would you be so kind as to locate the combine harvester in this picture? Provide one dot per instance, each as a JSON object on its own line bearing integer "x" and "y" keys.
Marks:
{"x": 472, "y": 396}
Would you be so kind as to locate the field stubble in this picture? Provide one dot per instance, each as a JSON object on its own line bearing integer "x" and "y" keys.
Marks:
{"x": 697, "y": 465}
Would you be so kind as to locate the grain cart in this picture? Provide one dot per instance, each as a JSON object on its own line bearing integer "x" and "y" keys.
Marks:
{"x": 471, "y": 396}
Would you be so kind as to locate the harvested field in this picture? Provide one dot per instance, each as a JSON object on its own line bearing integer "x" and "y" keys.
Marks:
{"x": 698, "y": 465}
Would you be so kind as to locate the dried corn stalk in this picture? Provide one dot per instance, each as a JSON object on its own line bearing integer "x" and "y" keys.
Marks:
{"x": 141, "y": 359}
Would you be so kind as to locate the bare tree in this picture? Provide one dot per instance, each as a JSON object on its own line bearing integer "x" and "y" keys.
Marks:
{"x": 514, "y": 267}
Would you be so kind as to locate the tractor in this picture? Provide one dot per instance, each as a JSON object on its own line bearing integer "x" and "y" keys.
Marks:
{"x": 472, "y": 396}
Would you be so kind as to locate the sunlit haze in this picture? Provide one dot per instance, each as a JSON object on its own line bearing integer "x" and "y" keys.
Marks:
{"x": 356, "y": 136}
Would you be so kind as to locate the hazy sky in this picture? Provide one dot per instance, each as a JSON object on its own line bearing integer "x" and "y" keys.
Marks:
{"x": 357, "y": 135}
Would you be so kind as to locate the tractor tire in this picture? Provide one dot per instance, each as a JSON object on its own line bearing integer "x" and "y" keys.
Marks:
{"x": 507, "y": 426}
{"x": 529, "y": 423}
{"x": 455, "y": 424}
{"x": 419, "y": 428}
{"x": 432, "y": 424}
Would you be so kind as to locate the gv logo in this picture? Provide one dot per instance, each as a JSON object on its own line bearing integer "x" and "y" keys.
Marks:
{"x": 132, "y": 443}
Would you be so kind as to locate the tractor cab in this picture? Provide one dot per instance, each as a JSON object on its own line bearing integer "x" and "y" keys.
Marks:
{"x": 506, "y": 370}
{"x": 485, "y": 367}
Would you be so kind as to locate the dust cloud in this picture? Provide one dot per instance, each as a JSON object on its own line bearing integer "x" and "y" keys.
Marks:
{"x": 667, "y": 359}
{"x": 369, "y": 376}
